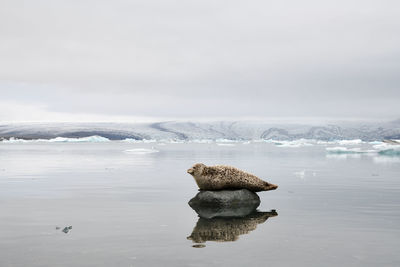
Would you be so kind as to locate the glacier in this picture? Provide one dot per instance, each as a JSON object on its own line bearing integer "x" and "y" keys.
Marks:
{"x": 287, "y": 135}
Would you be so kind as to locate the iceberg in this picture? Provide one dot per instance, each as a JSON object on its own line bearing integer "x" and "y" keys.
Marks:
{"x": 350, "y": 142}
{"x": 135, "y": 141}
{"x": 345, "y": 150}
{"x": 141, "y": 151}
{"x": 219, "y": 144}
{"x": 294, "y": 143}
{"x": 17, "y": 140}
{"x": 388, "y": 149}
{"x": 88, "y": 139}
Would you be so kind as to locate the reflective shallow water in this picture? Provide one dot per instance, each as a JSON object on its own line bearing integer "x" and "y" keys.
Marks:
{"x": 127, "y": 206}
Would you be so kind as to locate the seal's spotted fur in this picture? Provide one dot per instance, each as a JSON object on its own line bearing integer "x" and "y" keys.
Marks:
{"x": 226, "y": 177}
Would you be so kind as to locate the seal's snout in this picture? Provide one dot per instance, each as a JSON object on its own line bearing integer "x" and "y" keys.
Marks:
{"x": 190, "y": 171}
{"x": 270, "y": 186}
{"x": 273, "y": 186}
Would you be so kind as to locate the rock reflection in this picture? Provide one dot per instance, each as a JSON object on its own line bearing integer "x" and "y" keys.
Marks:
{"x": 226, "y": 229}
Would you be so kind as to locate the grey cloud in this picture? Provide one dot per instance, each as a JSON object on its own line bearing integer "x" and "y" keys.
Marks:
{"x": 203, "y": 58}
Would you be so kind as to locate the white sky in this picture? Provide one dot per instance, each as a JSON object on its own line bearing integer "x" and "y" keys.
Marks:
{"x": 150, "y": 60}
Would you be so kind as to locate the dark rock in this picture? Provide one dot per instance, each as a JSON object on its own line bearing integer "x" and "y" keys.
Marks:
{"x": 67, "y": 229}
{"x": 225, "y": 203}
{"x": 212, "y": 212}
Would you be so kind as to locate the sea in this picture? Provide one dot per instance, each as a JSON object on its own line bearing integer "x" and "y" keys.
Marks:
{"x": 96, "y": 202}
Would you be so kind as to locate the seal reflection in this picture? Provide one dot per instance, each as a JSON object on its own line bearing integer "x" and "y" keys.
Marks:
{"x": 227, "y": 229}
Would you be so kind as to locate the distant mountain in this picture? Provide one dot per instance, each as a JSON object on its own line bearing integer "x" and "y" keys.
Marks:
{"x": 175, "y": 130}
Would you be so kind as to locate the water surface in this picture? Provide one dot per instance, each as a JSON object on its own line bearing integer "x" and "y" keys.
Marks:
{"x": 127, "y": 205}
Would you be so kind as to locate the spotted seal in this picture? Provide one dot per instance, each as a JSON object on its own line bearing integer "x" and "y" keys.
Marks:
{"x": 226, "y": 177}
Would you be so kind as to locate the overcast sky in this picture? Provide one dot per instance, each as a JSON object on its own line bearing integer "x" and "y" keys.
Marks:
{"x": 144, "y": 60}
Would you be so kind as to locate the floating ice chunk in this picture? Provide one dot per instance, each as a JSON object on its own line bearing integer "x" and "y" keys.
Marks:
{"x": 176, "y": 141}
{"x": 321, "y": 142}
{"x": 340, "y": 142}
{"x": 385, "y": 146}
{"x": 131, "y": 140}
{"x": 294, "y": 143}
{"x": 388, "y": 149}
{"x": 345, "y": 150}
{"x": 375, "y": 143}
{"x": 269, "y": 141}
{"x": 343, "y": 156}
{"x": 149, "y": 141}
{"x": 300, "y": 174}
{"x": 15, "y": 140}
{"x": 226, "y": 144}
{"x": 338, "y": 149}
{"x": 390, "y": 152}
{"x": 89, "y": 139}
{"x": 202, "y": 141}
{"x": 350, "y": 142}
{"x": 141, "y": 151}
{"x": 224, "y": 140}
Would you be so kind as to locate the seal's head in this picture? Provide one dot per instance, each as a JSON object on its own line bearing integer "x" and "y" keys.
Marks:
{"x": 269, "y": 186}
{"x": 197, "y": 169}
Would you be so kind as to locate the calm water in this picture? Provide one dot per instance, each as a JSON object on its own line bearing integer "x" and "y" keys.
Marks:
{"x": 130, "y": 208}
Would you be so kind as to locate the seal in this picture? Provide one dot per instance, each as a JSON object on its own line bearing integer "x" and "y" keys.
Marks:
{"x": 226, "y": 177}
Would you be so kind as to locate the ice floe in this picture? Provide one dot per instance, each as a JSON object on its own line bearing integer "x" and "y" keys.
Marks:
{"x": 345, "y": 150}
{"x": 350, "y": 142}
{"x": 135, "y": 141}
{"x": 201, "y": 141}
{"x": 141, "y": 151}
{"x": 382, "y": 149}
{"x": 227, "y": 144}
{"x": 224, "y": 140}
{"x": 294, "y": 143}
{"x": 388, "y": 149}
{"x": 88, "y": 139}
{"x": 300, "y": 174}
